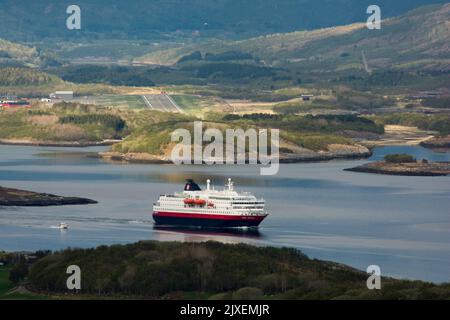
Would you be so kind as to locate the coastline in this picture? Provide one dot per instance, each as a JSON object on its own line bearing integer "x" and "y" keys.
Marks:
{"x": 440, "y": 144}
{"x": 362, "y": 149}
{"x": 72, "y": 144}
{"x": 397, "y": 135}
{"x": 358, "y": 152}
{"x": 416, "y": 169}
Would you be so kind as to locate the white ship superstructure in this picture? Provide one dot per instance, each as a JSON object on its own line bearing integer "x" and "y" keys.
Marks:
{"x": 209, "y": 208}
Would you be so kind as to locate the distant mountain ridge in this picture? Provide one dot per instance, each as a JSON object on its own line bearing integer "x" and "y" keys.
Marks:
{"x": 30, "y": 20}
{"x": 418, "y": 39}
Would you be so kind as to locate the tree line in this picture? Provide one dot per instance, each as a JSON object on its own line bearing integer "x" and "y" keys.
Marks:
{"x": 220, "y": 271}
{"x": 10, "y": 76}
{"x": 105, "y": 120}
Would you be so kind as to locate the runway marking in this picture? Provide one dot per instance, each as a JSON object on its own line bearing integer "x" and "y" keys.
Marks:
{"x": 175, "y": 104}
{"x": 147, "y": 102}
{"x": 161, "y": 102}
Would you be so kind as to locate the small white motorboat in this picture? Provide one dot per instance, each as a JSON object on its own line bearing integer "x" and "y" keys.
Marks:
{"x": 63, "y": 226}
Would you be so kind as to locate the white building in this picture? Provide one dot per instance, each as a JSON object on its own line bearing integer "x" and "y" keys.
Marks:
{"x": 62, "y": 95}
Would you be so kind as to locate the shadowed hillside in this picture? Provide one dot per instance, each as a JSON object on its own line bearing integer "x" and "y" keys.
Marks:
{"x": 30, "y": 20}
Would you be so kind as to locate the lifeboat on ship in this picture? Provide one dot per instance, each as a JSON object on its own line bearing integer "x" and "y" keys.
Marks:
{"x": 200, "y": 202}
{"x": 189, "y": 201}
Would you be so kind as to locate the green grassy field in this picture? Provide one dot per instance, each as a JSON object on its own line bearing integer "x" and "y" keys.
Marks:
{"x": 195, "y": 104}
{"x": 120, "y": 101}
{"x": 7, "y": 289}
{"x": 188, "y": 102}
{"x": 5, "y": 284}
{"x": 56, "y": 124}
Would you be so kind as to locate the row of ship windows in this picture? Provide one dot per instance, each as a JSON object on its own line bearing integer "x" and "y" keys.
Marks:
{"x": 235, "y": 207}
{"x": 248, "y": 203}
{"x": 182, "y": 197}
{"x": 216, "y": 210}
{"x": 211, "y": 198}
{"x": 233, "y": 203}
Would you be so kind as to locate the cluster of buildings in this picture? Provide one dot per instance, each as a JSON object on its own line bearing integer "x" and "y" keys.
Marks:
{"x": 61, "y": 95}
{"x": 12, "y": 102}
{"x": 9, "y": 102}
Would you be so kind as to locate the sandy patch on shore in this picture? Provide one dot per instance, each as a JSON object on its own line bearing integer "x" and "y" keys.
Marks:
{"x": 401, "y": 135}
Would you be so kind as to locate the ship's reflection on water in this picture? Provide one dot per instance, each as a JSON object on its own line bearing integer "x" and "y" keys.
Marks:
{"x": 193, "y": 234}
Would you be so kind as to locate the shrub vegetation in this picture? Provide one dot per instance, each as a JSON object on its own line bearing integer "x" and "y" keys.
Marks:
{"x": 219, "y": 271}
{"x": 399, "y": 158}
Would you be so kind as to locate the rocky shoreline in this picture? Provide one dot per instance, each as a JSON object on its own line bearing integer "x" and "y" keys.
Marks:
{"x": 22, "y": 198}
{"x": 421, "y": 169}
{"x": 437, "y": 143}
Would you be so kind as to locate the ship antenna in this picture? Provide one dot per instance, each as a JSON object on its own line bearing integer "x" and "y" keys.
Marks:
{"x": 208, "y": 184}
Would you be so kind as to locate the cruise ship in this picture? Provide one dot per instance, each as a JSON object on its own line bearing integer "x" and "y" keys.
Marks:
{"x": 209, "y": 208}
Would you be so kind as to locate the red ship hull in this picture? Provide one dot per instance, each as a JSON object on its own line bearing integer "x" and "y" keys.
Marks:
{"x": 206, "y": 220}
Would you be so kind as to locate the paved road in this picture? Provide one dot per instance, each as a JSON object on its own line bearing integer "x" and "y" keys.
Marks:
{"x": 161, "y": 102}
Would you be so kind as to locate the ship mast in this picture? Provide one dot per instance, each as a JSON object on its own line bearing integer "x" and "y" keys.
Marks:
{"x": 230, "y": 185}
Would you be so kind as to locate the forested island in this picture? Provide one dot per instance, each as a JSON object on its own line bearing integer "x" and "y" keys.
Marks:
{"x": 207, "y": 270}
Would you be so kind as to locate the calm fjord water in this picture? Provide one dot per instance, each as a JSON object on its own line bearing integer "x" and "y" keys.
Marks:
{"x": 401, "y": 224}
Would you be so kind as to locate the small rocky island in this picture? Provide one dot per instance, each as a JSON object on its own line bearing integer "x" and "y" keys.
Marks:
{"x": 21, "y": 198}
{"x": 437, "y": 143}
{"x": 404, "y": 165}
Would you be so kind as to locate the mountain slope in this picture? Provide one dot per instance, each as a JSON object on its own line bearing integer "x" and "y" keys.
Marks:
{"x": 269, "y": 48}
{"x": 30, "y": 20}
{"x": 13, "y": 54}
{"x": 420, "y": 38}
